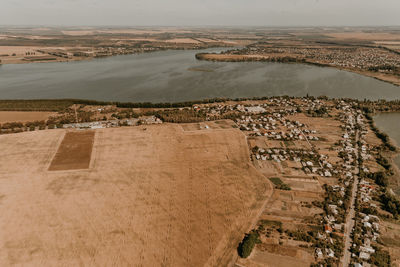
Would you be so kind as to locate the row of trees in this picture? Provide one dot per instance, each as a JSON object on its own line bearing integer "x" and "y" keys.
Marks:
{"x": 390, "y": 203}
{"x": 14, "y": 125}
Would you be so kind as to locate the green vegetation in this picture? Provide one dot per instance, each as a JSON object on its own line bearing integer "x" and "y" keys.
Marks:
{"x": 35, "y": 105}
{"x": 61, "y": 104}
{"x": 380, "y": 178}
{"x": 249, "y": 241}
{"x": 276, "y": 180}
{"x": 391, "y": 204}
{"x": 325, "y": 263}
{"x": 320, "y": 112}
{"x": 279, "y": 184}
{"x": 381, "y": 258}
{"x": 384, "y": 137}
{"x": 179, "y": 115}
{"x": 270, "y": 223}
{"x": 384, "y": 67}
{"x": 301, "y": 235}
{"x": 383, "y": 162}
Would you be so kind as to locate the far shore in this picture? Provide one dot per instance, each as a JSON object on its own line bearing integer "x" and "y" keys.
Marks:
{"x": 392, "y": 79}
{"x": 51, "y": 59}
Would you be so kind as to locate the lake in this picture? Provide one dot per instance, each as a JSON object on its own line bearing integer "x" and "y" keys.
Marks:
{"x": 173, "y": 76}
{"x": 390, "y": 124}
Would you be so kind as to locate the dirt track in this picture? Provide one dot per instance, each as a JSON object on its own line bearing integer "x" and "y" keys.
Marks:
{"x": 155, "y": 197}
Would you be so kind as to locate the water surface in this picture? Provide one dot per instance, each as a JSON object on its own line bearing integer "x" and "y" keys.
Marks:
{"x": 172, "y": 76}
{"x": 390, "y": 124}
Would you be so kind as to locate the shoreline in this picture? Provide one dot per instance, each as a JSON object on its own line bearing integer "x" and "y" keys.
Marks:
{"x": 90, "y": 58}
{"x": 391, "y": 155}
{"x": 288, "y": 60}
{"x": 50, "y": 104}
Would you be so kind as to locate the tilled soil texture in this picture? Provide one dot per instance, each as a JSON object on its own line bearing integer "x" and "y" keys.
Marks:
{"x": 74, "y": 152}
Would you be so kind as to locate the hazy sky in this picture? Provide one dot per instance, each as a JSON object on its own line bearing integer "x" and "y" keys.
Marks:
{"x": 200, "y": 12}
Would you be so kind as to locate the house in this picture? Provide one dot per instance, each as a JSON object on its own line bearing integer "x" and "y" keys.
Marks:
{"x": 318, "y": 253}
{"x": 321, "y": 236}
{"x": 333, "y": 208}
{"x": 329, "y": 253}
{"x": 366, "y": 249}
{"x": 337, "y": 226}
{"x": 364, "y": 256}
{"x": 327, "y": 229}
{"x": 367, "y": 242}
{"x": 367, "y": 225}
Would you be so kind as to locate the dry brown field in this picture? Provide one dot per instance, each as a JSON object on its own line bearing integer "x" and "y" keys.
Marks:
{"x": 152, "y": 196}
{"x": 287, "y": 204}
{"x": 383, "y": 36}
{"x": 283, "y": 258}
{"x": 231, "y": 57}
{"x": 390, "y": 236}
{"x": 18, "y": 50}
{"x": 183, "y": 41}
{"x": 20, "y": 53}
{"x": 22, "y": 116}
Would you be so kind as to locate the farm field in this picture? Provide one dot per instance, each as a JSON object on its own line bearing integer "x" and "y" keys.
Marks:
{"x": 21, "y": 116}
{"x": 151, "y": 196}
{"x": 74, "y": 152}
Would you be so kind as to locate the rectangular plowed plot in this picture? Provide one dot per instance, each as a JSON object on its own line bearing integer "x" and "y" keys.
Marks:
{"x": 74, "y": 153}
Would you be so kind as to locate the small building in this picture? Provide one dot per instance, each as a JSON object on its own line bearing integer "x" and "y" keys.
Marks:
{"x": 364, "y": 256}
{"x": 318, "y": 253}
{"x": 366, "y": 249}
{"x": 327, "y": 229}
{"x": 329, "y": 253}
{"x": 337, "y": 226}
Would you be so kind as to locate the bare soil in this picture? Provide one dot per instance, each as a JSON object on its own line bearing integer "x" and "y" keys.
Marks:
{"x": 74, "y": 152}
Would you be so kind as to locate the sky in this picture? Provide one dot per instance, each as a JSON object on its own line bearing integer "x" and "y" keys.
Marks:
{"x": 200, "y": 12}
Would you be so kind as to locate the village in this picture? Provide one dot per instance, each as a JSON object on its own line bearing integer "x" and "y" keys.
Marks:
{"x": 279, "y": 139}
{"x": 363, "y": 58}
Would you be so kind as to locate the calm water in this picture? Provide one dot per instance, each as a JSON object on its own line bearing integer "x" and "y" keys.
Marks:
{"x": 390, "y": 124}
{"x": 167, "y": 77}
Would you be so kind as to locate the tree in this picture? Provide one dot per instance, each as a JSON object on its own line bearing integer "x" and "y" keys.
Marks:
{"x": 249, "y": 241}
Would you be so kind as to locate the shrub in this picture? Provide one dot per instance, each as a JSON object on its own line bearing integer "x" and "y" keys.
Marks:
{"x": 380, "y": 178}
{"x": 381, "y": 258}
{"x": 391, "y": 204}
{"x": 279, "y": 184}
{"x": 383, "y": 162}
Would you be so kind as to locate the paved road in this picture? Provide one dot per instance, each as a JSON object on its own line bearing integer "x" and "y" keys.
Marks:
{"x": 349, "y": 226}
{"x": 345, "y": 261}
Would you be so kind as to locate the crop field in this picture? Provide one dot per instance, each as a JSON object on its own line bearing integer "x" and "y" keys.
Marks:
{"x": 282, "y": 258}
{"x": 20, "y": 116}
{"x": 74, "y": 152}
{"x": 151, "y": 196}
